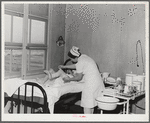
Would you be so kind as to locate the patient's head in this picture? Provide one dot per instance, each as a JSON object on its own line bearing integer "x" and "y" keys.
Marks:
{"x": 69, "y": 71}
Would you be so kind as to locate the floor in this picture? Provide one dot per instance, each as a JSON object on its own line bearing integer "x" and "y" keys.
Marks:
{"x": 76, "y": 109}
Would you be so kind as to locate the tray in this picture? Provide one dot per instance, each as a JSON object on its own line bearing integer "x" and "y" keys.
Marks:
{"x": 125, "y": 94}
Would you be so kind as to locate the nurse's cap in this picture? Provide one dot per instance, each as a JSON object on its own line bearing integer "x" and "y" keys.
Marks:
{"x": 74, "y": 52}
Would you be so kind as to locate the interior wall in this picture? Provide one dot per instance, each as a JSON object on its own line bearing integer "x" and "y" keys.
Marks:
{"x": 15, "y": 7}
{"x": 108, "y": 33}
{"x": 57, "y": 29}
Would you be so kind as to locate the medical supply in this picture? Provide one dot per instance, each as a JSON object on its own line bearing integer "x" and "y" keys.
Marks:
{"x": 138, "y": 85}
{"x": 126, "y": 89}
{"x": 129, "y": 79}
{"x": 119, "y": 85}
{"x": 140, "y": 78}
{"x": 107, "y": 103}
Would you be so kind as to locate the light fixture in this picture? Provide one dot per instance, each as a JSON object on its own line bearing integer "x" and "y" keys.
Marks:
{"x": 60, "y": 42}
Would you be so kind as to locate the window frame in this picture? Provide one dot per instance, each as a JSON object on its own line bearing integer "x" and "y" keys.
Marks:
{"x": 34, "y": 46}
{"x": 29, "y": 46}
{"x": 12, "y": 45}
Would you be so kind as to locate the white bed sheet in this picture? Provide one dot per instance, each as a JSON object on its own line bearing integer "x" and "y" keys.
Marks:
{"x": 53, "y": 92}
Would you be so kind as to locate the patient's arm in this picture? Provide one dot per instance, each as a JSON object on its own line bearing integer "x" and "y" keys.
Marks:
{"x": 59, "y": 73}
{"x": 53, "y": 75}
{"x": 68, "y": 66}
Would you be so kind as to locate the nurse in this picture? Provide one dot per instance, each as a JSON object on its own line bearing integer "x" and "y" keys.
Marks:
{"x": 87, "y": 70}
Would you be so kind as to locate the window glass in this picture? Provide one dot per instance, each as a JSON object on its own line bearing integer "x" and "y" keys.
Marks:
{"x": 7, "y": 28}
{"x": 13, "y": 59}
{"x": 37, "y": 32}
{"x": 16, "y": 60}
{"x": 17, "y": 29}
{"x": 7, "y": 60}
{"x": 36, "y": 59}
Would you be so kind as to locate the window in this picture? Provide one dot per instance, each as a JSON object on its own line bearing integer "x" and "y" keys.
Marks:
{"x": 36, "y": 59}
{"x": 17, "y": 29}
{"x": 37, "y": 32}
{"x": 7, "y": 28}
{"x": 36, "y": 44}
{"x": 13, "y": 46}
{"x": 16, "y": 60}
{"x": 37, "y": 47}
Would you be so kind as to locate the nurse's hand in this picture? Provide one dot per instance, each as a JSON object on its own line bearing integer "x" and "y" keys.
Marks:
{"x": 66, "y": 79}
{"x": 60, "y": 66}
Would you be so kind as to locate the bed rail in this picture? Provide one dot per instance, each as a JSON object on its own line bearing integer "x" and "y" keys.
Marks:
{"x": 17, "y": 102}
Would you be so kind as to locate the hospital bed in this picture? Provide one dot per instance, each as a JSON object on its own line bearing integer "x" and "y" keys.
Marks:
{"x": 30, "y": 97}
{"x": 47, "y": 97}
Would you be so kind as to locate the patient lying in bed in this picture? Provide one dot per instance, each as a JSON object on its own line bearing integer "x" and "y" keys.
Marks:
{"x": 53, "y": 78}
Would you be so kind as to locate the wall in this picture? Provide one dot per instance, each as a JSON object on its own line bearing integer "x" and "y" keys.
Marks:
{"x": 108, "y": 33}
{"x": 57, "y": 29}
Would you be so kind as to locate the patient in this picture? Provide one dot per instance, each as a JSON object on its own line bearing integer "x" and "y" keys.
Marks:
{"x": 55, "y": 78}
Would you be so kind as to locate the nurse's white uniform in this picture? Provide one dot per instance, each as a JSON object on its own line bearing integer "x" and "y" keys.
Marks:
{"x": 93, "y": 81}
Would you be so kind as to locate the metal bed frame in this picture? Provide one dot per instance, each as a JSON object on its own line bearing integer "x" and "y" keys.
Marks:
{"x": 17, "y": 100}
